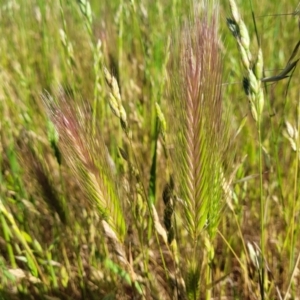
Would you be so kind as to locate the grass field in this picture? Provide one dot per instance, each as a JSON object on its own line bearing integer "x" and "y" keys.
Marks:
{"x": 149, "y": 149}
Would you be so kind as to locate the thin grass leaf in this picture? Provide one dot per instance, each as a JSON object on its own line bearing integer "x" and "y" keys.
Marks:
{"x": 288, "y": 68}
{"x": 283, "y": 74}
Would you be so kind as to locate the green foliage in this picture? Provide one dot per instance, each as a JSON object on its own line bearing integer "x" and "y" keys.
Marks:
{"x": 134, "y": 165}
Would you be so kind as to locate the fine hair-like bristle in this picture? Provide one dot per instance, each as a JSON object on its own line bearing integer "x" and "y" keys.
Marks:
{"x": 88, "y": 157}
{"x": 200, "y": 130}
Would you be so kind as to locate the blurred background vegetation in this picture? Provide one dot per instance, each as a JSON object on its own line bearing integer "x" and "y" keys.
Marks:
{"x": 51, "y": 241}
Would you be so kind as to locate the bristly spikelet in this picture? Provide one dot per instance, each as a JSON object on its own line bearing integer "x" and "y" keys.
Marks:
{"x": 88, "y": 157}
{"x": 200, "y": 134}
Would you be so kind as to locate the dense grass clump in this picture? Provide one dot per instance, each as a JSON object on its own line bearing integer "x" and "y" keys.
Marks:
{"x": 149, "y": 150}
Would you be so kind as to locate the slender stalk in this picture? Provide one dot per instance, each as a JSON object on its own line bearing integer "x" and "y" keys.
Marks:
{"x": 287, "y": 294}
{"x": 120, "y": 40}
{"x": 262, "y": 212}
{"x": 208, "y": 279}
{"x": 232, "y": 251}
{"x": 295, "y": 196}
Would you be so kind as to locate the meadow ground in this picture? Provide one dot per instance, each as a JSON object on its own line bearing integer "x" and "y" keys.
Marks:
{"x": 149, "y": 149}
